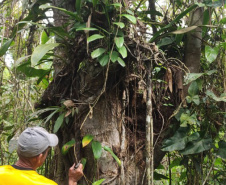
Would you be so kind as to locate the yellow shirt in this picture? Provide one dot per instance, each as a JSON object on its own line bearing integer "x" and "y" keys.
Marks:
{"x": 12, "y": 176}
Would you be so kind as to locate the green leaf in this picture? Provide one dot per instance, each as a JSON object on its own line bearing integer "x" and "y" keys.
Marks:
{"x": 165, "y": 41}
{"x": 196, "y": 99}
{"x": 97, "y": 149}
{"x": 21, "y": 59}
{"x": 86, "y": 29}
{"x": 30, "y": 71}
{"x": 78, "y": 4}
{"x": 197, "y": 146}
{"x": 94, "y": 37}
{"x": 106, "y": 148}
{"x": 121, "y": 62}
{"x": 97, "y": 52}
{"x": 104, "y": 60}
{"x": 83, "y": 161}
{"x": 191, "y": 77}
{"x": 58, "y": 122}
{"x": 213, "y": 96}
{"x": 211, "y": 53}
{"x": 44, "y": 37}
{"x": 41, "y": 111}
{"x": 40, "y": 51}
{"x": 181, "y": 15}
{"x": 131, "y": 18}
{"x": 86, "y": 140}
{"x": 223, "y": 21}
{"x": 193, "y": 89}
{"x": 95, "y": 3}
{"x": 98, "y": 182}
{"x": 114, "y": 56}
{"x": 187, "y": 119}
{"x": 222, "y": 149}
{"x": 50, "y": 116}
{"x": 72, "y": 14}
{"x": 117, "y": 4}
{"x": 120, "y": 24}
{"x": 119, "y": 41}
{"x": 184, "y": 30}
{"x": 123, "y": 51}
{"x": 5, "y": 47}
{"x": 175, "y": 162}
{"x": 176, "y": 142}
{"x": 67, "y": 146}
{"x": 8, "y": 127}
{"x": 59, "y": 31}
{"x": 158, "y": 176}
{"x": 211, "y": 72}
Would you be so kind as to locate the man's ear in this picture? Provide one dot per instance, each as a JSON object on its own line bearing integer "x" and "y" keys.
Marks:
{"x": 39, "y": 157}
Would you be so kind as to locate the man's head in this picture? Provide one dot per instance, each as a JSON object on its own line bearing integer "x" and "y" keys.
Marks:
{"x": 35, "y": 140}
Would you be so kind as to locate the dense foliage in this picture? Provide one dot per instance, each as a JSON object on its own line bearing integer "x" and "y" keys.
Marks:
{"x": 114, "y": 33}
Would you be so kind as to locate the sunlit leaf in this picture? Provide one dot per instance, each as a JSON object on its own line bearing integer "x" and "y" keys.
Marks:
{"x": 130, "y": 17}
{"x": 119, "y": 41}
{"x": 184, "y": 30}
{"x": 44, "y": 37}
{"x": 211, "y": 72}
{"x": 121, "y": 62}
{"x": 86, "y": 29}
{"x": 97, "y": 149}
{"x": 98, "y": 182}
{"x": 5, "y": 47}
{"x": 106, "y": 148}
{"x": 97, "y": 52}
{"x": 94, "y": 37}
{"x": 191, "y": 77}
{"x": 120, "y": 24}
{"x": 86, "y": 140}
{"x": 40, "y": 51}
{"x": 58, "y": 122}
{"x": 67, "y": 146}
{"x": 21, "y": 59}
{"x": 211, "y": 53}
{"x": 117, "y": 4}
{"x": 213, "y": 96}
{"x": 123, "y": 51}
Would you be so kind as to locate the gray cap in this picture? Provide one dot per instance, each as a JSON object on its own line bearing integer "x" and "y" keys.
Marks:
{"x": 35, "y": 140}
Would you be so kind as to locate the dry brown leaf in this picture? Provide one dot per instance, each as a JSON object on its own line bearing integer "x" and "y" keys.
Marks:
{"x": 68, "y": 113}
{"x": 69, "y": 103}
{"x": 169, "y": 79}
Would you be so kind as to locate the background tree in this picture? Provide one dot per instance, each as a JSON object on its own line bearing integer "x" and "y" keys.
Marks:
{"x": 116, "y": 89}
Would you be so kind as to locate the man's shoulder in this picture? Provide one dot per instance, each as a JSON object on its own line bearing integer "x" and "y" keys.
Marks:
{"x": 30, "y": 176}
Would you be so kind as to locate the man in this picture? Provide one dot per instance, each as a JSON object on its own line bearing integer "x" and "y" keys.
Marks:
{"x": 33, "y": 146}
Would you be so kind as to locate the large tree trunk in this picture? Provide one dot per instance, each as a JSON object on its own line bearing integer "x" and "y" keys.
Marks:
{"x": 114, "y": 114}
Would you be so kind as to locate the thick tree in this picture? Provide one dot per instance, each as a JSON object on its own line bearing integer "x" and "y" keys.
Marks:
{"x": 120, "y": 89}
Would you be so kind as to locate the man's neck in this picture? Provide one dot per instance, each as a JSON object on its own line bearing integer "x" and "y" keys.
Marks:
{"x": 24, "y": 164}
